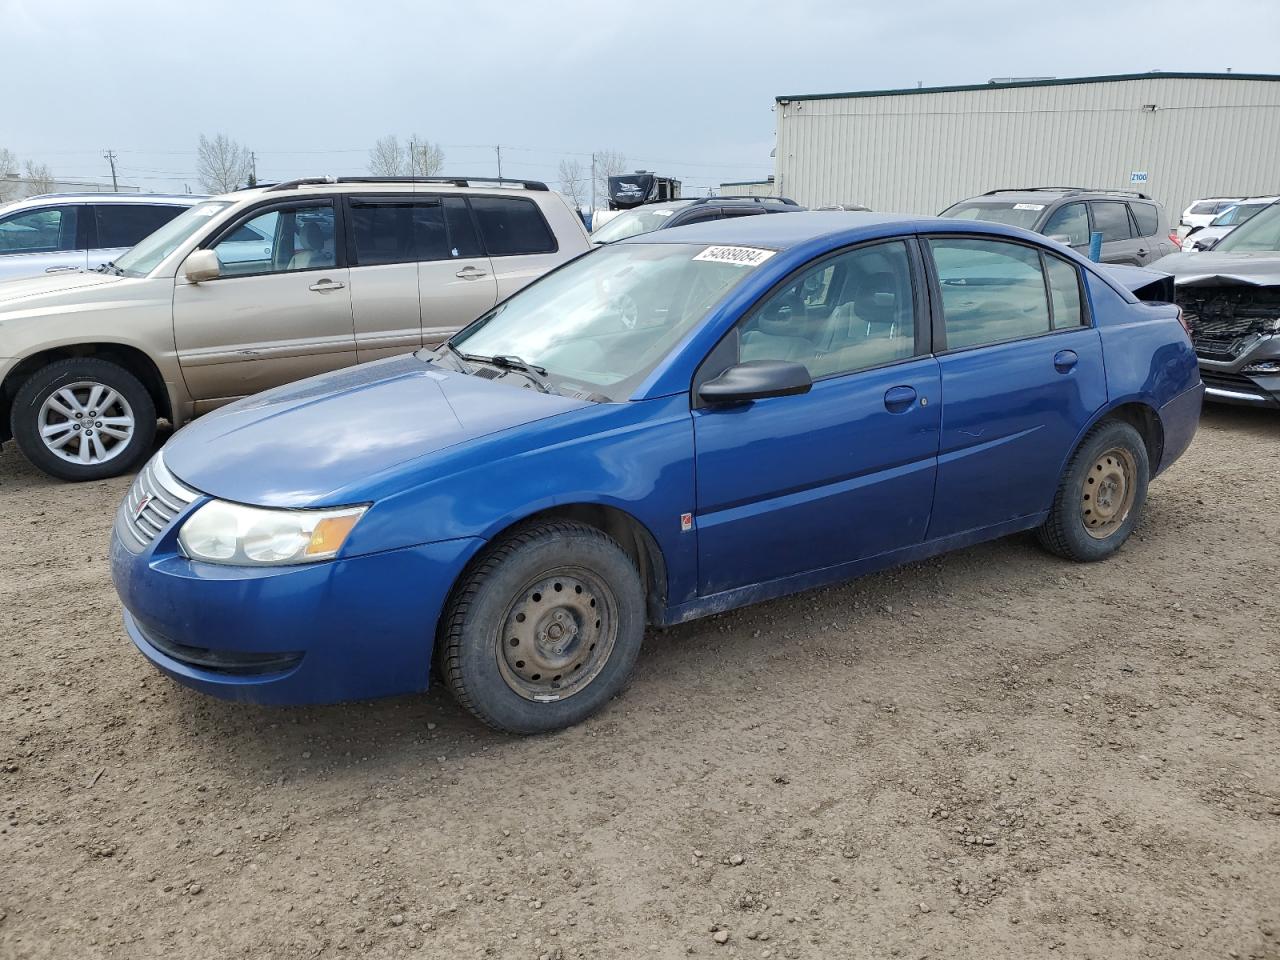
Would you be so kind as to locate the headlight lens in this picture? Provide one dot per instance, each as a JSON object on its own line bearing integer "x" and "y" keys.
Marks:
{"x": 221, "y": 532}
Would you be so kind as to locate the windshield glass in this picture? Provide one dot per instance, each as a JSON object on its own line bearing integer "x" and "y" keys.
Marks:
{"x": 1233, "y": 216}
{"x": 1260, "y": 232}
{"x": 602, "y": 323}
{"x": 632, "y": 224}
{"x": 146, "y": 256}
{"x": 1022, "y": 215}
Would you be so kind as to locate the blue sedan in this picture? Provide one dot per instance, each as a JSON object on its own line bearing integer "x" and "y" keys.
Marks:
{"x": 665, "y": 428}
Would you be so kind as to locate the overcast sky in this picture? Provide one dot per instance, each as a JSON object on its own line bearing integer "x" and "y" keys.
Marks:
{"x": 685, "y": 88}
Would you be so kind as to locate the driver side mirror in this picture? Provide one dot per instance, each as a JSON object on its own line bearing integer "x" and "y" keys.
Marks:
{"x": 201, "y": 265}
{"x": 1064, "y": 239}
{"x": 757, "y": 380}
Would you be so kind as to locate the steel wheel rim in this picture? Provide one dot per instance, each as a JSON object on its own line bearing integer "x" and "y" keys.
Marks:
{"x": 557, "y": 635}
{"x": 1107, "y": 493}
{"x": 86, "y": 422}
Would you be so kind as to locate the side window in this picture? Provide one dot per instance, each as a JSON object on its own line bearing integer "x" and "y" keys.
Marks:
{"x": 991, "y": 291}
{"x": 463, "y": 241}
{"x": 512, "y": 225}
{"x": 1111, "y": 218}
{"x": 847, "y": 313}
{"x": 291, "y": 238}
{"x": 45, "y": 230}
{"x": 125, "y": 224}
{"x": 1070, "y": 221}
{"x": 698, "y": 215}
{"x": 1146, "y": 217}
{"x": 1064, "y": 293}
{"x": 744, "y": 211}
{"x": 397, "y": 231}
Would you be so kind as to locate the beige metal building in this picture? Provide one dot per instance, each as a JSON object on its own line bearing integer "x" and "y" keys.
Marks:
{"x": 748, "y": 188}
{"x": 1175, "y": 136}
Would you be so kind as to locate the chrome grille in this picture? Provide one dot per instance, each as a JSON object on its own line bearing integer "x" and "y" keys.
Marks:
{"x": 155, "y": 498}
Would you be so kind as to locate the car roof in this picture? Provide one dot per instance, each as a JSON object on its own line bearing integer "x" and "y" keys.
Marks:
{"x": 43, "y": 199}
{"x": 795, "y": 229}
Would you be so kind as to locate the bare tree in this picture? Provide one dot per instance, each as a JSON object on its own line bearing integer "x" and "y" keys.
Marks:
{"x": 222, "y": 164}
{"x": 426, "y": 159}
{"x": 387, "y": 159}
{"x": 39, "y": 178}
{"x": 8, "y": 168}
{"x": 573, "y": 183}
{"x": 609, "y": 163}
{"x": 417, "y": 158}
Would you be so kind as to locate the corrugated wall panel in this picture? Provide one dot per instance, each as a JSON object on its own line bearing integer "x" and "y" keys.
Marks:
{"x": 919, "y": 153}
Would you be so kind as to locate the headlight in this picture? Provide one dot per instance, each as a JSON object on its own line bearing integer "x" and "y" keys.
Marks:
{"x": 221, "y": 532}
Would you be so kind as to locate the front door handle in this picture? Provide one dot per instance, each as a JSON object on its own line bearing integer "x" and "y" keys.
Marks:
{"x": 470, "y": 273}
{"x": 899, "y": 399}
{"x": 61, "y": 269}
{"x": 1064, "y": 361}
{"x": 325, "y": 285}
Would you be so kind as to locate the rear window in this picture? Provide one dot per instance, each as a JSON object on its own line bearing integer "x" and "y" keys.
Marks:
{"x": 1110, "y": 218}
{"x": 1205, "y": 207}
{"x": 125, "y": 224}
{"x": 1146, "y": 217}
{"x": 511, "y": 226}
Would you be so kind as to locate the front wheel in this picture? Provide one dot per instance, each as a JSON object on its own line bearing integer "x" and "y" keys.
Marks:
{"x": 544, "y": 630}
{"x": 1101, "y": 494}
{"x": 83, "y": 419}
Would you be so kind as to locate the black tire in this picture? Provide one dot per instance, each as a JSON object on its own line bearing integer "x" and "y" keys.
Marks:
{"x": 471, "y": 649}
{"x": 124, "y": 454}
{"x": 1112, "y": 445}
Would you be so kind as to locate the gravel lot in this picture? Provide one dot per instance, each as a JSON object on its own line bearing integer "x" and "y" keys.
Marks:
{"x": 991, "y": 754}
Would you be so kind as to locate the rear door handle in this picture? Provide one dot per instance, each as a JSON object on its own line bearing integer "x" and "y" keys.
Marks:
{"x": 1064, "y": 361}
{"x": 899, "y": 399}
{"x": 325, "y": 285}
{"x": 470, "y": 273}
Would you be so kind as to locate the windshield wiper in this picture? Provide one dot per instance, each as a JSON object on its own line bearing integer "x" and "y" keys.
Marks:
{"x": 109, "y": 267}
{"x": 531, "y": 371}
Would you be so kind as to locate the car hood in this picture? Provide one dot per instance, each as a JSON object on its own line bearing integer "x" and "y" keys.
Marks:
{"x": 1257, "y": 268}
{"x": 21, "y": 293}
{"x": 297, "y": 446}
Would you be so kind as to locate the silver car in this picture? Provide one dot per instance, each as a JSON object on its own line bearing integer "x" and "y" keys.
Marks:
{"x": 70, "y": 232}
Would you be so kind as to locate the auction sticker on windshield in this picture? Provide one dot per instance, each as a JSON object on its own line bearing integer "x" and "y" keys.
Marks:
{"x": 743, "y": 256}
{"x": 1028, "y": 206}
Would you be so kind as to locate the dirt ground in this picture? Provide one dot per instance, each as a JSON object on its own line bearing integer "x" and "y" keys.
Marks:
{"x": 991, "y": 754}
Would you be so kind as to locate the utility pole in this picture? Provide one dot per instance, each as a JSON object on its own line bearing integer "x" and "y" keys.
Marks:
{"x": 253, "y": 169}
{"x": 499, "y": 152}
{"x": 110, "y": 157}
{"x": 593, "y": 186}
{"x": 413, "y": 158}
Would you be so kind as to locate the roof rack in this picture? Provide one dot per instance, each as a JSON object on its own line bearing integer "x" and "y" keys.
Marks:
{"x": 450, "y": 181}
{"x": 787, "y": 200}
{"x": 1067, "y": 191}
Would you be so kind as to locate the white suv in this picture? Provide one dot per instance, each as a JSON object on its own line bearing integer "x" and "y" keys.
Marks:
{"x": 67, "y": 232}
{"x": 255, "y": 289}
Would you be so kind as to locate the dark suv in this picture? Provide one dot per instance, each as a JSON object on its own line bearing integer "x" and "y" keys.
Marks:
{"x": 681, "y": 213}
{"x": 1134, "y": 228}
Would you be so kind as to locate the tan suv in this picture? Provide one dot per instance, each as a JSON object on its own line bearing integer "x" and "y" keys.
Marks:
{"x": 255, "y": 289}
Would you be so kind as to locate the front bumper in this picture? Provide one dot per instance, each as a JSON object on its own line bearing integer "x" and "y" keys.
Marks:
{"x": 347, "y": 629}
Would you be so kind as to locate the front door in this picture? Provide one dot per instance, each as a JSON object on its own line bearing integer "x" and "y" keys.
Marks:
{"x": 280, "y": 311}
{"x": 43, "y": 240}
{"x": 794, "y": 484}
{"x": 1022, "y": 375}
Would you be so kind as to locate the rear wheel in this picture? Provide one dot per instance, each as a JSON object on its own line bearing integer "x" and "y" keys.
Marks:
{"x": 83, "y": 419}
{"x": 544, "y": 630}
{"x": 1101, "y": 495}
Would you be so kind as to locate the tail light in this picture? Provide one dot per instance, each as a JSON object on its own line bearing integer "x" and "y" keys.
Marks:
{"x": 1175, "y": 239}
{"x": 1182, "y": 319}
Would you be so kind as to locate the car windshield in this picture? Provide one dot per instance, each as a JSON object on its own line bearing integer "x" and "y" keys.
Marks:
{"x": 151, "y": 250}
{"x": 1260, "y": 233}
{"x": 602, "y": 323}
{"x": 1233, "y": 216}
{"x": 1022, "y": 215}
{"x": 632, "y": 223}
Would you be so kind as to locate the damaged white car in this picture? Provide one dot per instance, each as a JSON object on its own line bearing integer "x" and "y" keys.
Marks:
{"x": 1230, "y": 297}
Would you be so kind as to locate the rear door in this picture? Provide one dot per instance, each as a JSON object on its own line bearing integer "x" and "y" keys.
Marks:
{"x": 121, "y": 225}
{"x": 1153, "y": 243}
{"x": 789, "y": 485}
{"x": 42, "y": 240}
{"x": 1111, "y": 219}
{"x": 280, "y": 311}
{"x": 520, "y": 244}
{"x": 1022, "y": 374}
